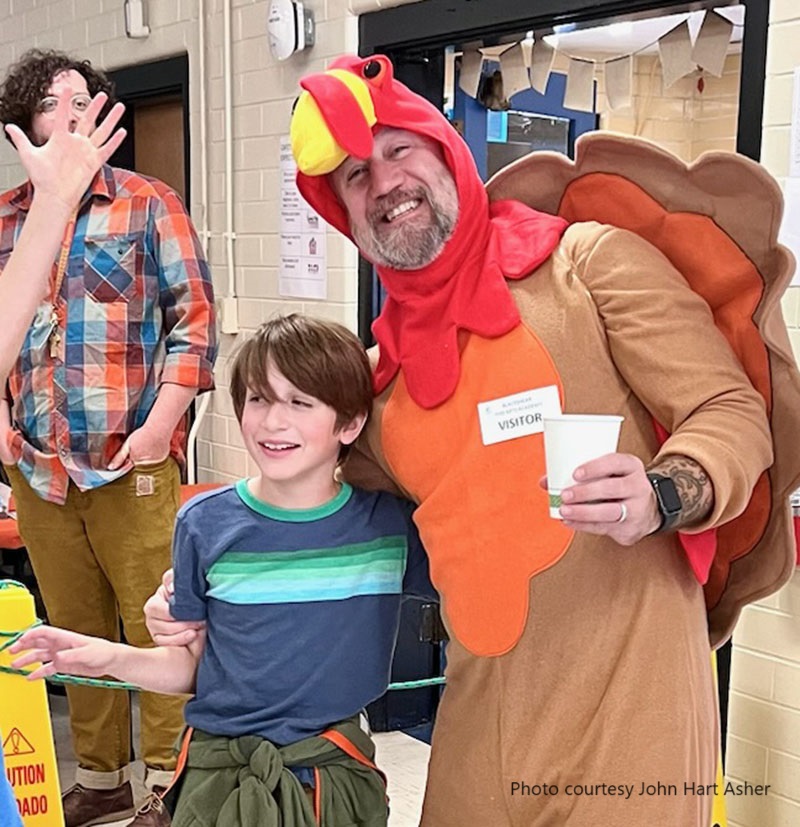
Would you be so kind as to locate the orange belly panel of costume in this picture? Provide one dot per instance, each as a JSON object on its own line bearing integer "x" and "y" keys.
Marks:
{"x": 483, "y": 517}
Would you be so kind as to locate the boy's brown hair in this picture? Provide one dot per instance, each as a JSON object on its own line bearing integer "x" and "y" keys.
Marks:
{"x": 320, "y": 358}
{"x": 28, "y": 80}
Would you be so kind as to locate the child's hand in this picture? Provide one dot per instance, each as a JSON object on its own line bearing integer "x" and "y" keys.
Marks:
{"x": 163, "y": 628}
{"x": 59, "y": 650}
{"x": 168, "y": 583}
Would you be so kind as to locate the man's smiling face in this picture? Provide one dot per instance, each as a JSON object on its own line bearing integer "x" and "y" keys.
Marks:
{"x": 402, "y": 201}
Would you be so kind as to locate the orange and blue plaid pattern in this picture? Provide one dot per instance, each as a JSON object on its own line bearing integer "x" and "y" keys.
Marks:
{"x": 137, "y": 310}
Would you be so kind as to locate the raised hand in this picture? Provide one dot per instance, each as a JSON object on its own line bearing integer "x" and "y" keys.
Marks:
{"x": 65, "y": 165}
{"x": 59, "y": 650}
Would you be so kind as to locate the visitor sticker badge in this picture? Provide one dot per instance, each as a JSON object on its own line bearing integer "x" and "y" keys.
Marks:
{"x": 521, "y": 414}
{"x": 145, "y": 485}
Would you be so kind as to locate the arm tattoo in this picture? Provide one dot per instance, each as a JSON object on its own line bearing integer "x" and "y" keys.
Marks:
{"x": 694, "y": 487}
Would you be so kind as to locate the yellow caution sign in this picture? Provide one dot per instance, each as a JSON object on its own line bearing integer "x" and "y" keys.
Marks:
{"x": 719, "y": 817}
{"x": 28, "y": 750}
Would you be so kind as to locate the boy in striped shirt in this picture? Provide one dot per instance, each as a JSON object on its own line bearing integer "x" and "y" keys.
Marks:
{"x": 298, "y": 579}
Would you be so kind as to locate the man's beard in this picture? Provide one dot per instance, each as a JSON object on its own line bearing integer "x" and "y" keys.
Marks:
{"x": 413, "y": 243}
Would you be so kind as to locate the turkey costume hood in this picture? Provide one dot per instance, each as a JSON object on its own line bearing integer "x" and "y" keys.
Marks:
{"x": 464, "y": 287}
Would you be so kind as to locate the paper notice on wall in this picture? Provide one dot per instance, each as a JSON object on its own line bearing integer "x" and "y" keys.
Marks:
{"x": 302, "y": 273}
{"x": 789, "y": 234}
{"x": 790, "y": 225}
{"x": 794, "y": 149}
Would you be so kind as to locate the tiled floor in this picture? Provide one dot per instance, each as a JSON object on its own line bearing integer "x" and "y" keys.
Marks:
{"x": 402, "y": 758}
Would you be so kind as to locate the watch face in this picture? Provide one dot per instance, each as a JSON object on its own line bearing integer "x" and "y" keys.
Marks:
{"x": 667, "y": 494}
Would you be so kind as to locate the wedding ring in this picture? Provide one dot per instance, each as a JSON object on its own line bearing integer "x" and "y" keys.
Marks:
{"x": 623, "y": 514}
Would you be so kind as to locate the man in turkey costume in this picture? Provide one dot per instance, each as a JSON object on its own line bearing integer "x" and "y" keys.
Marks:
{"x": 579, "y": 650}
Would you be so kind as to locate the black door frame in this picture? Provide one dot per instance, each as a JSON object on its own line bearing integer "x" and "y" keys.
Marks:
{"x": 420, "y": 27}
{"x": 142, "y": 84}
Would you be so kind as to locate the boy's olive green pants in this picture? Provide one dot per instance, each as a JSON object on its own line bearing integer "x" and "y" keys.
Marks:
{"x": 97, "y": 559}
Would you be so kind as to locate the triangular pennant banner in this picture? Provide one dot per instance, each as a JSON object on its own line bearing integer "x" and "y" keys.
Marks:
{"x": 515, "y": 72}
{"x": 619, "y": 81}
{"x": 711, "y": 46}
{"x": 542, "y": 58}
{"x": 579, "y": 93}
{"x": 470, "y": 76}
{"x": 675, "y": 50}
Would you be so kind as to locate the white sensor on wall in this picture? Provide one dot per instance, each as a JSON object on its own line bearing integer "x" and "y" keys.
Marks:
{"x": 135, "y": 19}
{"x": 290, "y": 28}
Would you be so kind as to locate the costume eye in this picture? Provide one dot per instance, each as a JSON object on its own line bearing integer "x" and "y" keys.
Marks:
{"x": 371, "y": 69}
{"x": 377, "y": 71}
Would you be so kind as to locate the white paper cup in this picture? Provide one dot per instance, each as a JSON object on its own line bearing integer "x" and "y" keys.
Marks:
{"x": 569, "y": 441}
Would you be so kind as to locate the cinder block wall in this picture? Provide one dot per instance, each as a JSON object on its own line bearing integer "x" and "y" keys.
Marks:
{"x": 688, "y": 119}
{"x": 764, "y": 724}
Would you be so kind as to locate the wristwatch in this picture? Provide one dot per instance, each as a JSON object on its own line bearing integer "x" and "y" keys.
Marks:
{"x": 667, "y": 499}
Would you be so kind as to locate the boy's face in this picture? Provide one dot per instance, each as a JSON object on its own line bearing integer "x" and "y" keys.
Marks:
{"x": 293, "y": 442}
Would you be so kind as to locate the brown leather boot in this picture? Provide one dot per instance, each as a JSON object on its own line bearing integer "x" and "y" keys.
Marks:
{"x": 152, "y": 812}
{"x": 84, "y": 807}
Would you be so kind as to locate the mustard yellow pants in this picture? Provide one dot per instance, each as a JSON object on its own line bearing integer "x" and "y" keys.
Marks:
{"x": 97, "y": 559}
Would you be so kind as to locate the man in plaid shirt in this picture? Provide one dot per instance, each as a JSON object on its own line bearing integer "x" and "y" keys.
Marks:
{"x": 92, "y": 424}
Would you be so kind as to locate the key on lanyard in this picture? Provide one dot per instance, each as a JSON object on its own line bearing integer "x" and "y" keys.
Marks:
{"x": 54, "y": 336}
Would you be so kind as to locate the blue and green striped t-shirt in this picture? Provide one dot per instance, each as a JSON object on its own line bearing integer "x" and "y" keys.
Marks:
{"x": 9, "y": 814}
{"x": 302, "y": 607}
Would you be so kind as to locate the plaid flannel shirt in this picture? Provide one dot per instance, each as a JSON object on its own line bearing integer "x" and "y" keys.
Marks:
{"x": 137, "y": 311}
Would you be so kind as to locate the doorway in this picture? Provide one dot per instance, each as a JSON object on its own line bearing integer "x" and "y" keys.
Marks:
{"x": 156, "y": 98}
{"x": 156, "y": 118}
